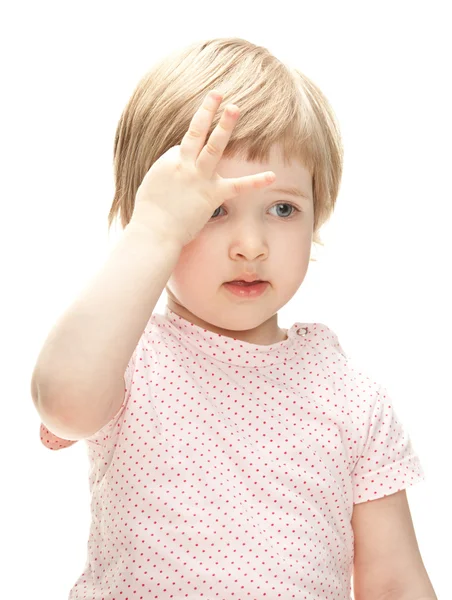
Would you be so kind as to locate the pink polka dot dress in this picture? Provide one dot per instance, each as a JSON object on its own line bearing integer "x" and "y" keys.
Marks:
{"x": 231, "y": 469}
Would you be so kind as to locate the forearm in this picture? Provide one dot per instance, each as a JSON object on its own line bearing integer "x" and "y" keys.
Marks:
{"x": 408, "y": 595}
{"x": 91, "y": 344}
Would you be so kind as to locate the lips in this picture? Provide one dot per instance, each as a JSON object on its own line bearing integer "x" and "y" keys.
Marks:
{"x": 247, "y": 290}
{"x": 247, "y": 278}
{"x": 246, "y": 282}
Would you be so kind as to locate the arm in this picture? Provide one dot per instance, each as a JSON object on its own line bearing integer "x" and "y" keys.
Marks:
{"x": 80, "y": 369}
{"x": 388, "y": 564}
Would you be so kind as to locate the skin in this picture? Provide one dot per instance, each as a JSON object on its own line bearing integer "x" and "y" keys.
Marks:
{"x": 251, "y": 233}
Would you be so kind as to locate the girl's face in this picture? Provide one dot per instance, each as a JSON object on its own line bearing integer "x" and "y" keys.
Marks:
{"x": 258, "y": 233}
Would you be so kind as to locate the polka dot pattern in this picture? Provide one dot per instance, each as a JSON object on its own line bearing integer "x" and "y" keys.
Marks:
{"x": 231, "y": 469}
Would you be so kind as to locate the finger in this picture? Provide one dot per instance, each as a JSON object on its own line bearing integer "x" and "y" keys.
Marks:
{"x": 195, "y": 137}
{"x": 236, "y": 185}
{"x": 212, "y": 152}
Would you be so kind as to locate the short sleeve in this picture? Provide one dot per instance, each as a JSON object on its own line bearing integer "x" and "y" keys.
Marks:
{"x": 102, "y": 436}
{"x": 53, "y": 442}
{"x": 387, "y": 462}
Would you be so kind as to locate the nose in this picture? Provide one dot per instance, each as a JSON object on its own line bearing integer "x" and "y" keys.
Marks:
{"x": 249, "y": 241}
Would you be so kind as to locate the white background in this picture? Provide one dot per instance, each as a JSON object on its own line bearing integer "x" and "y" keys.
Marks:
{"x": 382, "y": 281}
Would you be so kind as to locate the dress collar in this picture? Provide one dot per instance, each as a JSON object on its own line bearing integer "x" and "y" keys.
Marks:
{"x": 231, "y": 350}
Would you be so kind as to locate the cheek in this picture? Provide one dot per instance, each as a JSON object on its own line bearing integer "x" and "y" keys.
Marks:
{"x": 292, "y": 258}
{"x": 294, "y": 245}
{"x": 194, "y": 260}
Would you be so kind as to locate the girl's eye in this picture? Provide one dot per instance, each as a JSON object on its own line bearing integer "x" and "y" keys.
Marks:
{"x": 295, "y": 209}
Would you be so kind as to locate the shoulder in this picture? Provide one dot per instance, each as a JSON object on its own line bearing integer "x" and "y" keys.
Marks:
{"x": 320, "y": 337}
{"x": 354, "y": 387}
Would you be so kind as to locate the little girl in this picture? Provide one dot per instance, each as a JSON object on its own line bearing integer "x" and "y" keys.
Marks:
{"x": 227, "y": 454}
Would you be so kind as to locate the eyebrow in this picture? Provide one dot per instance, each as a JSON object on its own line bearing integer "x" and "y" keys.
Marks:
{"x": 292, "y": 191}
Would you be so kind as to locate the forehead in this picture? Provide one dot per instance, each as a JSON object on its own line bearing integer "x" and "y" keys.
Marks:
{"x": 293, "y": 173}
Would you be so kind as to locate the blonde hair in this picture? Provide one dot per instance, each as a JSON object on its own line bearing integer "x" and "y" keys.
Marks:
{"x": 278, "y": 104}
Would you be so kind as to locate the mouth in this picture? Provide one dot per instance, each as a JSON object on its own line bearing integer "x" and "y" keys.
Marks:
{"x": 247, "y": 290}
{"x": 246, "y": 283}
